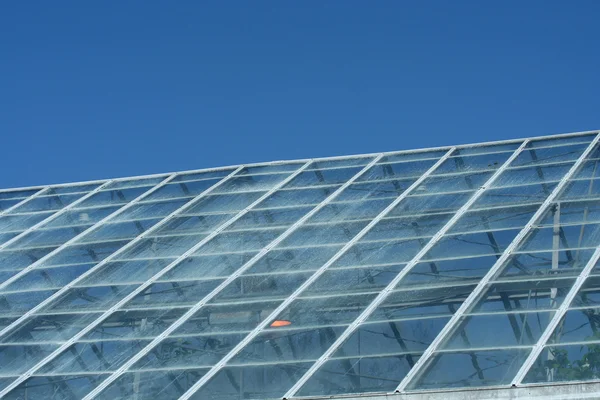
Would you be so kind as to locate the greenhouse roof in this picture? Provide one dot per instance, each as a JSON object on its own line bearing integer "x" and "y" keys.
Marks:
{"x": 428, "y": 270}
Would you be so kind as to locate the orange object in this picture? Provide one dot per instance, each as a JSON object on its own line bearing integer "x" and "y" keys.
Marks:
{"x": 280, "y": 322}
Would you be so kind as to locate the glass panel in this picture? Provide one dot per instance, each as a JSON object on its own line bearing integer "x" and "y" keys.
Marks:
{"x": 375, "y": 190}
{"x": 119, "y": 272}
{"x": 531, "y": 175}
{"x": 264, "y": 287}
{"x": 252, "y": 382}
{"x": 473, "y": 368}
{"x": 113, "y": 197}
{"x": 194, "y": 225}
{"x": 514, "y": 196}
{"x": 275, "y": 345}
{"x": 409, "y": 227}
{"x": 473, "y": 163}
{"x": 472, "y": 244}
{"x": 85, "y": 217}
{"x": 550, "y": 155}
{"x": 123, "y": 184}
{"x": 167, "y": 294}
{"x": 222, "y": 203}
{"x": 358, "y": 375}
{"x": 493, "y": 148}
{"x": 149, "y": 210}
{"x": 397, "y": 170}
{"x": 445, "y": 272}
{"x": 565, "y": 363}
{"x": 544, "y": 294}
{"x": 15, "y": 304}
{"x": 250, "y": 183}
{"x": 411, "y": 336}
{"x": 99, "y": 298}
{"x": 47, "y": 203}
{"x": 452, "y": 183}
{"x": 65, "y": 387}
{"x": 19, "y": 259}
{"x": 185, "y": 190}
{"x": 208, "y": 266}
{"x": 162, "y": 384}
{"x": 325, "y": 311}
{"x": 564, "y": 262}
{"x": 231, "y": 317}
{"x": 578, "y": 326}
{"x": 431, "y": 203}
{"x": 239, "y": 241}
{"x": 105, "y": 355}
{"x": 323, "y": 234}
{"x": 499, "y": 218}
{"x": 16, "y": 359}
{"x": 48, "y": 278}
{"x": 375, "y": 253}
{"x": 296, "y": 197}
{"x": 49, "y": 328}
{"x": 84, "y": 253}
{"x": 499, "y": 330}
{"x": 300, "y": 259}
{"x": 354, "y": 280}
{"x": 19, "y": 223}
{"x": 435, "y": 302}
{"x": 340, "y": 163}
{"x": 135, "y": 324}
{"x": 281, "y": 217}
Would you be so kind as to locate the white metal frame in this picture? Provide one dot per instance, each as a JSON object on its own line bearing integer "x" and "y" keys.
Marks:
{"x": 37, "y": 194}
{"x": 388, "y": 289}
{"x": 481, "y": 286}
{"x": 260, "y": 327}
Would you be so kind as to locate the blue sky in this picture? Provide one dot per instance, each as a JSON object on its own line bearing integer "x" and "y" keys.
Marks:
{"x": 93, "y": 90}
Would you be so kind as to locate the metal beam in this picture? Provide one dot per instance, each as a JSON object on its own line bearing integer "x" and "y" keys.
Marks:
{"x": 481, "y": 286}
{"x": 215, "y": 369}
{"x": 388, "y": 289}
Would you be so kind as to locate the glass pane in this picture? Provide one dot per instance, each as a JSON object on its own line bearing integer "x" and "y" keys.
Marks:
{"x": 471, "y": 369}
{"x": 162, "y": 384}
{"x": 565, "y": 363}
{"x": 544, "y": 294}
{"x": 499, "y": 330}
{"x": 578, "y": 326}
{"x": 358, "y": 375}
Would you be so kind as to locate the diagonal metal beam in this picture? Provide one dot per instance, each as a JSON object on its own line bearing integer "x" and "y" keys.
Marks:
{"x": 481, "y": 286}
{"x": 388, "y": 289}
{"x": 558, "y": 316}
{"x": 215, "y": 369}
{"x": 225, "y": 283}
{"x": 57, "y": 214}
{"x": 146, "y": 284}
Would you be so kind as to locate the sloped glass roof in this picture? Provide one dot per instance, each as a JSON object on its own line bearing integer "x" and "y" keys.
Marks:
{"x": 456, "y": 267}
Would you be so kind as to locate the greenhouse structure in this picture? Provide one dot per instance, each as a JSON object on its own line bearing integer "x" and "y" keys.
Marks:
{"x": 460, "y": 272}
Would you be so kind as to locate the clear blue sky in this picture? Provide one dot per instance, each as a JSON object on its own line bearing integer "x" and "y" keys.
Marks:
{"x": 94, "y": 90}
